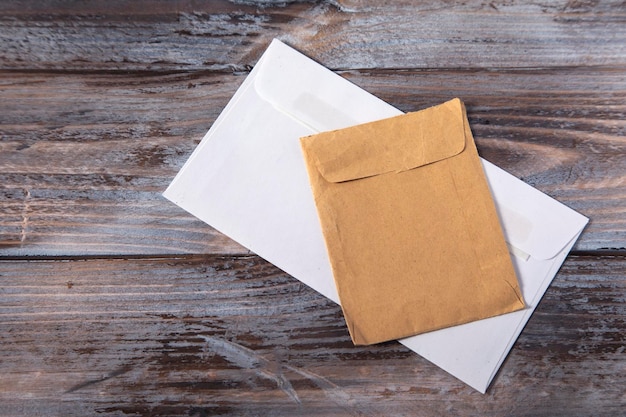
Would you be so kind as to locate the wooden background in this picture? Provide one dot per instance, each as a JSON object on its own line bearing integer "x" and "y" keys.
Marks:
{"x": 115, "y": 302}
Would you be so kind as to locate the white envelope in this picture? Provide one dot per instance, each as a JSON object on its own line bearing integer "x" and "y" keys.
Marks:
{"x": 247, "y": 179}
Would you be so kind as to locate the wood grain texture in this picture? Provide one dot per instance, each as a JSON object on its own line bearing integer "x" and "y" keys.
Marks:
{"x": 85, "y": 160}
{"x": 222, "y": 35}
{"x": 237, "y": 336}
{"x": 85, "y": 157}
{"x": 115, "y": 302}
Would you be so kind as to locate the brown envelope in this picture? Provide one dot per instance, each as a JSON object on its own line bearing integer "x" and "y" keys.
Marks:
{"x": 410, "y": 226}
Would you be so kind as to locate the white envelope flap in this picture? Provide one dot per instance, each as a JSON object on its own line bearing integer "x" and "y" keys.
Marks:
{"x": 314, "y": 95}
{"x": 546, "y": 225}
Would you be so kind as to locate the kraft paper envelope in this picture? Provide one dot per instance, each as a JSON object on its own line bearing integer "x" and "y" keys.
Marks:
{"x": 411, "y": 230}
{"x": 247, "y": 179}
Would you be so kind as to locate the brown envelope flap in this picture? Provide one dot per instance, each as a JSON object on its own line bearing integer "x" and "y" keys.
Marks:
{"x": 432, "y": 135}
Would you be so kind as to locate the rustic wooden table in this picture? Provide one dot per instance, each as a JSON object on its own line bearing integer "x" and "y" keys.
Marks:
{"x": 113, "y": 301}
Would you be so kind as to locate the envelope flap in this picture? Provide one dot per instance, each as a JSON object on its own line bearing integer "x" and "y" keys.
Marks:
{"x": 411, "y": 140}
{"x": 312, "y": 95}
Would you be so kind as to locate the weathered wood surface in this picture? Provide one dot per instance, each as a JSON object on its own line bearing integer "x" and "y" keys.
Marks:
{"x": 85, "y": 157}
{"x": 223, "y": 35}
{"x": 115, "y": 302}
{"x": 236, "y": 336}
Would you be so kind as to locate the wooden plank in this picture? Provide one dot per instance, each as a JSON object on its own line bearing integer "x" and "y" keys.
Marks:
{"x": 236, "y": 336}
{"x": 84, "y": 157}
{"x": 345, "y": 34}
